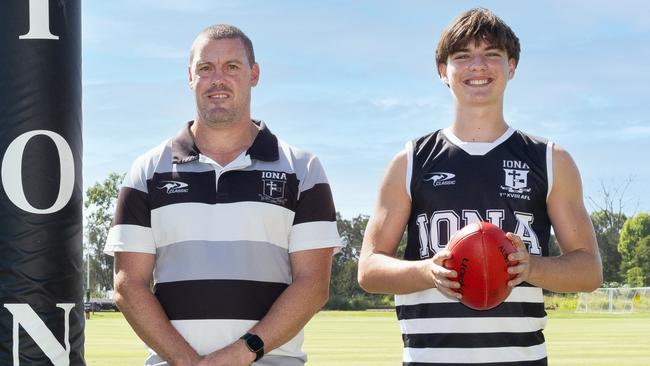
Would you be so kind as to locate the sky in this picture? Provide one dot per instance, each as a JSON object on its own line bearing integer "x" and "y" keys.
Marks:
{"x": 353, "y": 81}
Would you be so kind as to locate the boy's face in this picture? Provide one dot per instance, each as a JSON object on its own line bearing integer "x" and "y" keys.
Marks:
{"x": 477, "y": 74}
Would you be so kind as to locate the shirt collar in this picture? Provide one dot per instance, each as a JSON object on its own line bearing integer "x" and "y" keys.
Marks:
{"x": 264, "y": 147}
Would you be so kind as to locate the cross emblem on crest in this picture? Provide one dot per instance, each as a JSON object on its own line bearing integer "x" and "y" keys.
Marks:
{"x": 516, "y": 181}
{"x": 273, "y": 188}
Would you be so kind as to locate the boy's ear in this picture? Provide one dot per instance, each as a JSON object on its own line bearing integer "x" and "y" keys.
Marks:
{"x": 512, "y": 66}
{"x": 442, "y": 72}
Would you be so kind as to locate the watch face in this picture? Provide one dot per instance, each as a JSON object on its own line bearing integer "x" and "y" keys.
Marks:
{"x": 254, "y": 343}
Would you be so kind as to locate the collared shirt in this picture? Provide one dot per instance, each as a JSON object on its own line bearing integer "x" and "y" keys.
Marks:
{"x": 222, "y": 235}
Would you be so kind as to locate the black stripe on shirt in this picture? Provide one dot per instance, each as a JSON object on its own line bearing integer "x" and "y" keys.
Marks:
{"x": 542, "y": 362}
{"x": 169, "y": 188}
{"x": 473, "y": 340}
{"x": 217, "y": 299}
{"x": 132, "y": 208}
{"x": 315, "y": 204}
{"x": 458, "y": 310}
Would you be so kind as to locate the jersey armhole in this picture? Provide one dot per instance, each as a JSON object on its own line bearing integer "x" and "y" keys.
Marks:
{"x": 409, "y": 167}
{"x": 549, "y": 168}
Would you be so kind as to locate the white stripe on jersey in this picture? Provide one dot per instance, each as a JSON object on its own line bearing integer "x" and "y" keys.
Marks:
{"x": 197, "y": 221}
{"x": 549, "y": 167}
{"x": 130, "y": 238}
{"x": 314, "y": 235}
{"x": 477, "y": 148}
{"x": 472, "y": 325}
{"x": 518, "y": 294}
{"x": 474, "y": 355}
{"x": 409, "y": 167}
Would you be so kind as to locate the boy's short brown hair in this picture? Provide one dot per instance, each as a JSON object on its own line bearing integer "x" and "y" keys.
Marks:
{"x": 477, "y": 25}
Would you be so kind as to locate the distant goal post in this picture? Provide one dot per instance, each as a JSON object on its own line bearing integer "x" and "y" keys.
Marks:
{"x": 615, "y": 300}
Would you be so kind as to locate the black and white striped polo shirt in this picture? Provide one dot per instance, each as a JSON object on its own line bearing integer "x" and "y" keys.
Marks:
{"x": 222, "y": 235}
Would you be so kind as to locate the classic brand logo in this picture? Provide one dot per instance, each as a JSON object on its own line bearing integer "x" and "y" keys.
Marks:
{"x": 516, "y": 180}
{"x": 173, "y": 186}
{"x": 273, "y": 184}
{"x": 440, "y": 179}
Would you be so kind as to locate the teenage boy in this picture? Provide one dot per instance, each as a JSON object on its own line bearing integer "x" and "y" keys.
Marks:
{"x": 478, "y": 169}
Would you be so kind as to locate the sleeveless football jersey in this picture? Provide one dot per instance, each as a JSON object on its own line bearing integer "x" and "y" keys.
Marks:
{"x": 451, "y": 184}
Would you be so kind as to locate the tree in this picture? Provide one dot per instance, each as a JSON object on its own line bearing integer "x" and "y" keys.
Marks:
{"x": 345, "y": 292}
{"x": 100, "y": 206}
{"x": 351, "y": 232}
{"x": 635, "y": 277}
{"x": 607, "y": 226}
{"x": 343, "y": 283}
{"x": 634, "y": 247}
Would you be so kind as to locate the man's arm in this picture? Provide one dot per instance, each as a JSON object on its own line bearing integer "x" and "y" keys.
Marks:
{"x": 579, "y": 267}
{"x": 304, "y": 297}
{"x": 379, "y": 270}
{"x": 133, "y": 296}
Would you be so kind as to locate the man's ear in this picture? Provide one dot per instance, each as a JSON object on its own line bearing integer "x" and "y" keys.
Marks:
{"x": 255, "y": 74}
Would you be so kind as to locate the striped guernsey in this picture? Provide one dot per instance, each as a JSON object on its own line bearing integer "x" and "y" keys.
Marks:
{"x": 452, "y": 183}
{"x": 222, "y": 235}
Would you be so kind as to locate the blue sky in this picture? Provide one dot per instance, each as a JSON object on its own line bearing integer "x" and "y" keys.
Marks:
{"x": 352, "y": 81}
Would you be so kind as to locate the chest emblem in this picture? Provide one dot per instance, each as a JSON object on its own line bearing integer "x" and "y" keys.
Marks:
{"x": 515, "y": 180}
{"x": 273, "y": 187}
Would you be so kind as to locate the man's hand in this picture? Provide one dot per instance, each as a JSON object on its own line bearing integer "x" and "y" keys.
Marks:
{"x": 236, "y": 354}
{"x": 442, "y": 275}
{"x": 523, "y": 268}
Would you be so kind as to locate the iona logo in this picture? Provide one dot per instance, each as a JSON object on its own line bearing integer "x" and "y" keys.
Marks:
{"x": 274, "y": 175}
{"x": 515, "y": 180}
{"x": 273, "y": 184}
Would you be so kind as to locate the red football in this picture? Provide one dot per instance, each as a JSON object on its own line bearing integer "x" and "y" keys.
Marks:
{"x": 479, "y": 254}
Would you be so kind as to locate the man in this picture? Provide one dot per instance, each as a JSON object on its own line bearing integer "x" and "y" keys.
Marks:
{"x": 478, "y": 169}
{"x": 235, "y": 228}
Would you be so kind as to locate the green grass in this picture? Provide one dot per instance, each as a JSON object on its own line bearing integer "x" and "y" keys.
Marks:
{"x": 354, "y": 338}
{"x": 589, "y": 339}
{"x": 359, "y": 338}
{"x": 110, "y": 341}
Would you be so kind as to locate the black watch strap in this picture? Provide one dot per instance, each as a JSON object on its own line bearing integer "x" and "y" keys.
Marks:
{"x": 254, "y": 344}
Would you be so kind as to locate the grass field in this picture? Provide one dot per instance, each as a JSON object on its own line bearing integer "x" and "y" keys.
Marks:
{"x": 373, "y": 339}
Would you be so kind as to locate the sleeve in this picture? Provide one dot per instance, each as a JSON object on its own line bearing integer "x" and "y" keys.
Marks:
{"x": 131, "y": 230}
{"x": 314, "y": 224}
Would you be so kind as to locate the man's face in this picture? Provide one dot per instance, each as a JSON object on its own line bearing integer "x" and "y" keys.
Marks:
{"x": 222, "y": 78}
{"x": 478, "y": 74}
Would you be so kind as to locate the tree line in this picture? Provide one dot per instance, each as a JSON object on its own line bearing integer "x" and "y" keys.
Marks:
{"x": 624, "y": 244}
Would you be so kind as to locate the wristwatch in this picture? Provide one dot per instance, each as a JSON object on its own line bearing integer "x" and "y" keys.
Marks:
{"x": 254, "y": 344}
